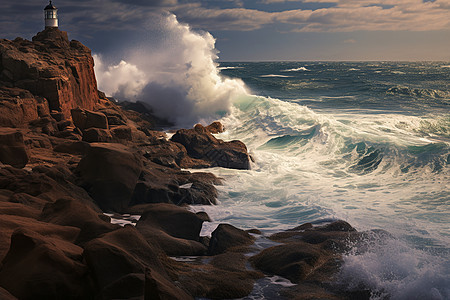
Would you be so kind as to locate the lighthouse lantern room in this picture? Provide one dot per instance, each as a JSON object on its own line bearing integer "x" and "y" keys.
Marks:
{"x": 51, "y": 16}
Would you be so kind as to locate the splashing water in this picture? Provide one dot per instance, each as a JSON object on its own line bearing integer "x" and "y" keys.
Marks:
{"x": 179, "y": 79}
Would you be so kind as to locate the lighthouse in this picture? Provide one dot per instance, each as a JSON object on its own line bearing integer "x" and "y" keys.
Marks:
{"x": 51, "y": 16}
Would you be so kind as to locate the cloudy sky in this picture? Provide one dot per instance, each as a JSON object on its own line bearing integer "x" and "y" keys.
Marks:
{"x": 255, "y": 30}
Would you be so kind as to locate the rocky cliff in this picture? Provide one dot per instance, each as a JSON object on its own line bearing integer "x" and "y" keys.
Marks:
{"x": 68, "y": 154}
{"x": 49, "y": 73}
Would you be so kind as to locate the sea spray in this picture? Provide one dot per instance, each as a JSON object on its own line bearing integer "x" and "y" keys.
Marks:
{"x": 180, "y": 78}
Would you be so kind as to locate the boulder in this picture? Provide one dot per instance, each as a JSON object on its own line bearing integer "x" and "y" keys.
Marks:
{"x": 120, "y": 256}
{"x": 5, "y": 295}
{"x": 215, "y": 127}
{"x": 69, "y": 212}
{"x": 122, "y": 133}
{"x": 19, "y": 107}
{"x": 176, "y": 230}
{"x": 45, "y": 184}
{"x": 162, "y": 185}
{"x": 38, "y": 267}
{"x": 85, "y": 119}
{"x": 9, "y": 223}
{"x": 12, "y": 148}
{"x": 115, "y": 116}
{"x": 294, "y": 261}
{"x": 201, "y": 144}
{"x": 97, "y": 135}
{"x": 72, "y": 147}
{"x": 228, "y": 238}
{"x": 109, "y": 172}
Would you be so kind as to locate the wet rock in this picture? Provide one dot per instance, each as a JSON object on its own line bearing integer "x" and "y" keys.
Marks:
{"x": 56, "y": 263}
{"x": 228, "y": 238}
{"x": 109, "y": 172}
{"x": 294, "y": 261}
{"x": 175, "y": 229}
{"x": 201, "y": 144}
{"x": 215, "y": 127}
{"x": 12, "y": 148}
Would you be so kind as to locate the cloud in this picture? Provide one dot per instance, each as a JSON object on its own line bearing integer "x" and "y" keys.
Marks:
{"x": 350, "y": 41}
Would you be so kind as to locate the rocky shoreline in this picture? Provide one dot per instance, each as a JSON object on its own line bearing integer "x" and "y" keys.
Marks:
{"x": 68, "y": 155}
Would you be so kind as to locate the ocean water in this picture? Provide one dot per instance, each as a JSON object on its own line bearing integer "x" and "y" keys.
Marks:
{"x": 366, "y": 142}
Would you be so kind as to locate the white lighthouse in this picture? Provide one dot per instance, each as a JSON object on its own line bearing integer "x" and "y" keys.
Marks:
{"x": 51, "y": 16}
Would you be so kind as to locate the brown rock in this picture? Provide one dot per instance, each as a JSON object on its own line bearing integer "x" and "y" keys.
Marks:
{"x": 72, "y": 147}
{"x": 174, "y": 229}
{"x": 122, "y": 133}
{"x": 12, "y": 148}
{"x": 55, "y": 263}
{"x": 157, "y": 287}
{"x": 9, "y": 223}
{"x": 162, "y": 185}
{"x": 228, "y": 238}
{"x": 294, "y": 261}
{"x": 18, "y": 209}
{"x": 19, "y": 107}
{"x": 109, "y": 172}
{"x": 53, "y": 68}
{"x": 5, "y": 295}
{"x": 201, "y": 144}
{"x": 45, "y": 184}
{"x": 117, "y": 255}
{"x": 97, "y": 135}
{"x": 215, "y": 127}
{"x": 69, "y": 212}
{"x": 84, "y": 119}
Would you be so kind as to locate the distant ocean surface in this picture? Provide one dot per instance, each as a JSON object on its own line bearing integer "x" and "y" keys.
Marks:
{"x": 365, "y": 142}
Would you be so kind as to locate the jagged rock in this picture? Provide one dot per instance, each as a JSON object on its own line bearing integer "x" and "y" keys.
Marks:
{"x": 56, "y": 263}
{"x": 85, "y": 119}
{"x": 162, "y": 185}
{"x": 12, "y": 148}
{"x": 97, "y": 135}
{"x": 228, "y": 238}
{"x": 215, "y": 127}
{"x": 115, "y": 116}
{"x": 43, "y": 185}
{"x": 122, "y": 133}
{"x": 18, "y": 106}
{"x": 53, "y": 68}
{"x": 176, "y": 230}
{"x": 109, "y": 172}
{"x": 201, "y": 144}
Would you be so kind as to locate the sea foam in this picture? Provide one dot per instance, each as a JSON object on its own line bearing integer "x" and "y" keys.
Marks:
{"x": 180, "y": 79}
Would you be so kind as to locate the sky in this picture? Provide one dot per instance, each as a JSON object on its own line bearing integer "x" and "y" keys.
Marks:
{"x": 254, "y": 30}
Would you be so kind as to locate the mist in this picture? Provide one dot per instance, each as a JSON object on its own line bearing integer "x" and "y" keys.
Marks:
{"x": 176, "y": 74}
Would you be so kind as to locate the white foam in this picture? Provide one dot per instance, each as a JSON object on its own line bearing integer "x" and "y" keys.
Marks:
{"x": 275, "y": 76}
{"x": 180, "y": 79}
{"x": 295, "y": 69}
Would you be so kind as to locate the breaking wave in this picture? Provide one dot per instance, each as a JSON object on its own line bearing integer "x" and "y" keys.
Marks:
{"x": 180, "y": 79}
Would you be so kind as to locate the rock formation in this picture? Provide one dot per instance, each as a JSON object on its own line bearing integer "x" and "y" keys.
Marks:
{"x": 68, "y": 154}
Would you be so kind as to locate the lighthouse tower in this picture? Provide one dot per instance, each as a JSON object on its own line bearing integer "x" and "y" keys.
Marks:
{"x": 51, "y": 16}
